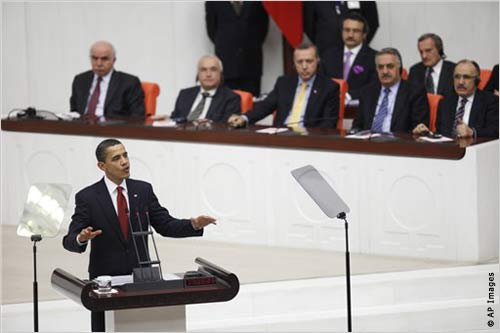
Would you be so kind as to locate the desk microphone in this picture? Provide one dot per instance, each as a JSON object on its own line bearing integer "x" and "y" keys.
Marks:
{"x": 32, "y": 113}
{"x": 179, "y": 120}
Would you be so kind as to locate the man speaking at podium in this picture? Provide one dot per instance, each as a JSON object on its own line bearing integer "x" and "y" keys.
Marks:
{"x": 102, "y": 212}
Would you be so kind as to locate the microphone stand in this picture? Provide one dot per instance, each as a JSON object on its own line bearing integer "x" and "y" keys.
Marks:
{"x": 342, "y": 216}
{"x": 34, "y": 239}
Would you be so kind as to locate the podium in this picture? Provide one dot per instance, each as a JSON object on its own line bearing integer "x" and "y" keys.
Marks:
{"x": 160, "y": 309}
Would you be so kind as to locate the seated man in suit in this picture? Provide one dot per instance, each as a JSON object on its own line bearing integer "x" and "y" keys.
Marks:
{"x": 105, "y": 92}
{"x": 102, "y": 217}
{"x": 211, "y": 100}
{"x": 433, "y": 72}
{"x": 308, "y": 99}
{"x": 355, "y": 61}
{"x": 390, "y": 104}
{"x": 469, "y": 113}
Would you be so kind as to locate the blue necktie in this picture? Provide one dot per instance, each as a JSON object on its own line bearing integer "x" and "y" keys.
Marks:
{"x": 382, "y": 112}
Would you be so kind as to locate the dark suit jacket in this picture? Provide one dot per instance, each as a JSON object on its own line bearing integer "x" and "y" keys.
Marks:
{"x": 124, "y": 97}
{"x": 110, "y": 253}
{"x": 445, "y": 86}
{"x": 362, "y": 71}
{"x": 238, "y": 39}
{"x": 492, "y": 84}
{"x": 323, "y": 102}
{"x": 224, "y": 103}
{"x": 323, "y": 25}
{"x": 483, "y": 116}
{"x": 410, "y": 107}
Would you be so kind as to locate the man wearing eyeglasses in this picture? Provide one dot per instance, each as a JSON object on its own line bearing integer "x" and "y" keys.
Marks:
{"x": 211, "y": 100}
{"x": 390, "y": 104}
{"x": 355, "y": 61}
{"x": 473, "y": 113}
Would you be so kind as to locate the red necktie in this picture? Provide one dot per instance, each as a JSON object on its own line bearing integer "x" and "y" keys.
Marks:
{"x": 121, "y": 203}
{"x": 94, "y": 99}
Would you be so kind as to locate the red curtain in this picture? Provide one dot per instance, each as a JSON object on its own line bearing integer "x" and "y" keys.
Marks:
{"x": 288, "y": 17}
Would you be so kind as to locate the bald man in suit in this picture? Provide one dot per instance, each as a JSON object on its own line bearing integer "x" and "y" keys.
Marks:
{"x": 211, "y": 100}
{"x": 104, "y": 91}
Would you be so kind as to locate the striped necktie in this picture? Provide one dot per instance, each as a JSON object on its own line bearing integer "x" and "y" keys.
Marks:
{"x": 459, "y": 115}
{"x": 378, "y": 122}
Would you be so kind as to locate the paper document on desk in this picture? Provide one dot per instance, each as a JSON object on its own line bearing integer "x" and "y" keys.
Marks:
{"x": 434, "y": 140}
{"x": 272, "y": 130}
{"x": 363, "y": 135}
{"x": 171, "y": 276}
{"x": 118, "y": 280}
{"x": 164, "y": 123}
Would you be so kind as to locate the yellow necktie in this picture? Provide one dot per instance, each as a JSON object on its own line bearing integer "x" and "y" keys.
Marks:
{"x": 293, "y": 120}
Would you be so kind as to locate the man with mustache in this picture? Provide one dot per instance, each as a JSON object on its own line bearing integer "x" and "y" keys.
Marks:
{"x": 469, "y": 113}
{"x": 102, "y": 216}
{"x": 308, "y": 99}
{"x": 390, "y": 104}
{"x": 433, "y": 72}
{"x": 323, "y": 20}
{"x": 355, "y": 61}
{"x": 104, "y": 91}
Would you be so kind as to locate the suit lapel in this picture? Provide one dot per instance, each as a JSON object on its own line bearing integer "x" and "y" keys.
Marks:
{"x": 372, "y": 104}
{"x": 442, "y": 78}
{"x": 108, "y": 210}
{"x": 477, "y": 106}
{"x": 449, "y": 117}
{"x": 113, "y": 85}
{"x": 134, "y": 200}
{"x": 289, "y": 93}
{"x": 358, "y": 61}
{"x": 189, "y": 101}
{"x": 313, "y": 98}
{"x": 87, "y": 83}
{"x": 399, "y": 103}
{"x": 215, "y": 104}
{"x": 338, "y": 62}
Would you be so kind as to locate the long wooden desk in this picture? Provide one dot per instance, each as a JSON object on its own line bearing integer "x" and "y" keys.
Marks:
{"x": 407, "y": 198}
{"x": 318, "y": 139}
